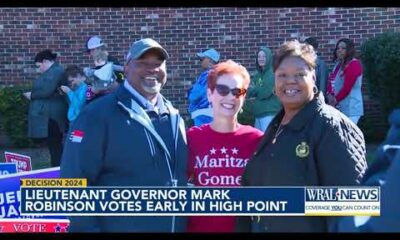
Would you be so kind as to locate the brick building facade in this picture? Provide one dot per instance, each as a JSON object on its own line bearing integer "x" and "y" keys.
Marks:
{"x": 236, "y": 32}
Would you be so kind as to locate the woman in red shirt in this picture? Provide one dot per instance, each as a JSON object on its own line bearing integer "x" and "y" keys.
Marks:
{"x": 345, "y": 81}
{"x": 219, "y": 151}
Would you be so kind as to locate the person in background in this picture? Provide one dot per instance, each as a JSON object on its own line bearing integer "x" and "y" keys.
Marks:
{"x": 199, "y": 107}
{"x": 384, "y": 171}
{"x": 345, "y": 81}
{"x": 226, "y": 139}
{"x": 266, "y": 104}
{"x": 76, "y": 91}
{"x": 321, "y": 70}
{"x": 308, "y": 143}
{"x": 47, "y": 117}
{"x": 101, "y": 78}
{"x": 95, "y": 46}
{"x": 131, "y": 137}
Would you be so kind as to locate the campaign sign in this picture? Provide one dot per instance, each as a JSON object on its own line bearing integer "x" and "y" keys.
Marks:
{"x": 33, "y": 225}
{"x": 23, "y": 162}
{"x": 8, "y": 168}
{"x": 10, "y": 194}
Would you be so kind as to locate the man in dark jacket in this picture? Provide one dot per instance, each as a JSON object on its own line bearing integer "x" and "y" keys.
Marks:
{"x": 131, "y": 137}
{"x": 384, "y": 172}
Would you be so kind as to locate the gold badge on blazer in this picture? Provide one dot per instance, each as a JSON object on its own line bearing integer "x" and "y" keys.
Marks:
{"x": 302, "y": 150}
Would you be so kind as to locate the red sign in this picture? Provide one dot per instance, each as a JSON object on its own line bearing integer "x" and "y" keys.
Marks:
{"x": 33, "y": 225}
{"x": 23, "y": 162}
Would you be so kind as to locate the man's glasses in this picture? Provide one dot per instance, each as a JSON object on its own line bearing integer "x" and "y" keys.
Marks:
{"x": 224, "y": 90}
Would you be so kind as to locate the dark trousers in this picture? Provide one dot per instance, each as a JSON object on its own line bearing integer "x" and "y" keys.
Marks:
{"x": 54, "y": 142}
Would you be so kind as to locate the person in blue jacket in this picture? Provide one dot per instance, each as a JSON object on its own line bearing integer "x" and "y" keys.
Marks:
{"x": 76, "y": 91}
{"x": 199, "y": 107}
{"x": 130, "y": 137}
{"x": 384, "y": 172}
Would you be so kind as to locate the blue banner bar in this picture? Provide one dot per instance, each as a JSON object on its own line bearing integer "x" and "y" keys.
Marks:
{"x": 162, "y": 201}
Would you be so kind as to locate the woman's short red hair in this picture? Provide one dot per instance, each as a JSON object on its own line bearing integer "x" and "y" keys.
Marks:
{"x": 227, "y": 67}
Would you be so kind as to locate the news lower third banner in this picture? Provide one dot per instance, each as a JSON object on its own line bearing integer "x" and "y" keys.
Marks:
{"x": 71, "y": 197}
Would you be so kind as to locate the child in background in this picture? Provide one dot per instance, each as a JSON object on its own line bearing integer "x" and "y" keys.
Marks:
{"x": 76, "y": 92}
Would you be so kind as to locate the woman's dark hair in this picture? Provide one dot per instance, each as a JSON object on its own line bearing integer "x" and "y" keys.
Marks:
{"x": 45, "y": 55}
{"x": 294, "y": 48}
{"x": 313, "y": 42}
{"x": 350, "y": 50}
{"x": 73, "y": 71}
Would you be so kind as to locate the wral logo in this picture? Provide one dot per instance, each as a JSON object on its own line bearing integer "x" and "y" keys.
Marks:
{"x": 342, "y": 194}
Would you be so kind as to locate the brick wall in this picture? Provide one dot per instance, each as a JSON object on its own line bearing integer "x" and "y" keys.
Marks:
{"x": 236, "y": 32}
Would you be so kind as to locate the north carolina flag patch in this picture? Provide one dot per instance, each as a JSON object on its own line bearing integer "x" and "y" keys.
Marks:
{"x": 76, "y": 136}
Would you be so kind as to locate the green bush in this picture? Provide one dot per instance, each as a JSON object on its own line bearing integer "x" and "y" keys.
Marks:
{"x": 14, "y": 115}
{"x": 381, "y": 60}
{"x": 370, "y": 131}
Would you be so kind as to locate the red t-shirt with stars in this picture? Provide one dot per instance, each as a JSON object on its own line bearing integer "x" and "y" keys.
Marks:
{"x": 218, "y": 159}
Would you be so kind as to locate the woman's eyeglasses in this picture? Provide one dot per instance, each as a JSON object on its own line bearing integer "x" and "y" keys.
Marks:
{"x": 224, "y": 90}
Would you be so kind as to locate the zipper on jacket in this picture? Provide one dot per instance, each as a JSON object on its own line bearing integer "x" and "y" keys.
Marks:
{"x": 175, "y": 167}
{"x": 150, "y": 142}
{"x": 174, "y": 181}
{"x": 174, "y": 184}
